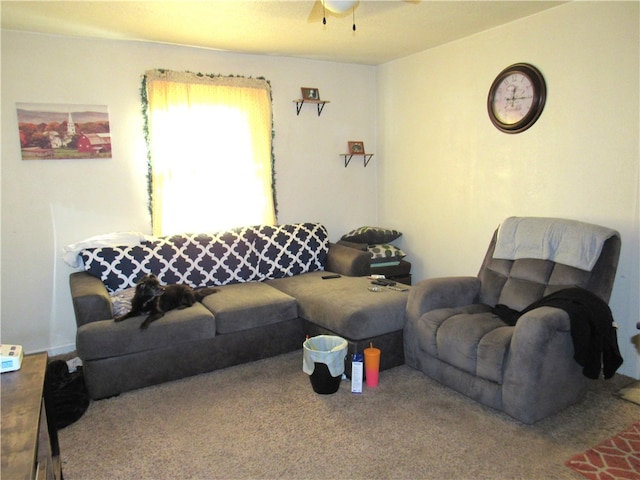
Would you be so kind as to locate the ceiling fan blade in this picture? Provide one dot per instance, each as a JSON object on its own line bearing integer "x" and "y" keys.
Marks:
{"x": 317, "y": 12}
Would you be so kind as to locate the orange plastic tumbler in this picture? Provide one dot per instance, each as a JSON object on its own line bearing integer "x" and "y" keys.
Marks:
{"x": 372, "y": 365}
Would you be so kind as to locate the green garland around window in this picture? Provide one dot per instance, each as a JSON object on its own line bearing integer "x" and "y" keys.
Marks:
{"x": 145, "y": 127}
{"x": 145, "y": 115}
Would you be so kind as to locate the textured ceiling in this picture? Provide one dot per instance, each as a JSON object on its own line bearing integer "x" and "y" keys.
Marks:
{"x": 385, "y": 30}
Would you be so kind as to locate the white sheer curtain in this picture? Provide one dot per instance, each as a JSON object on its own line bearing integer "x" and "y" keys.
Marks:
{"x": 210, "y": 149}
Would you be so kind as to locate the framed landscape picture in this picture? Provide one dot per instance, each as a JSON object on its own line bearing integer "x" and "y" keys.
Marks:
{"x": 61, "y": 131}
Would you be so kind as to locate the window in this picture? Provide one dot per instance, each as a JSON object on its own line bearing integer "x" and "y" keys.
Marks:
{"x": 210, "y": 151}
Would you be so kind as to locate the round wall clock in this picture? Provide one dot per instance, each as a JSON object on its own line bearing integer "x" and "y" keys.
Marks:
{"x": 516, "y": 98}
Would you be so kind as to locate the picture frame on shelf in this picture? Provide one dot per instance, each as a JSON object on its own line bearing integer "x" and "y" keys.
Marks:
{"x": 310, "y": 93}
{"x": 356, "y": 148}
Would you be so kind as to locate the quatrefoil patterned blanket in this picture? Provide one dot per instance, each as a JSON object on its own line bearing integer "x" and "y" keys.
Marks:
{"x": 243, "y": 254}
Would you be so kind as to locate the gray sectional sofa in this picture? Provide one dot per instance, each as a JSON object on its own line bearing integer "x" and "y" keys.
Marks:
{"x": 270, "y": 294}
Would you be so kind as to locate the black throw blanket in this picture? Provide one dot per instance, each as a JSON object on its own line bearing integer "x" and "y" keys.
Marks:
{"x": 594, "y": 337}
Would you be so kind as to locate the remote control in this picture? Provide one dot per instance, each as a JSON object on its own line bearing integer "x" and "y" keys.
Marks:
{"x": 398, "y": 289}
{"x": 328, "y": 277}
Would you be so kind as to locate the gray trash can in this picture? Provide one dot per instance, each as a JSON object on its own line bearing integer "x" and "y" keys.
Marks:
{"x": 323, "y": 360}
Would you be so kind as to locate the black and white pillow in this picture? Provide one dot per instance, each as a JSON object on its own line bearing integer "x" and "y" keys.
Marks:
{"x": 218, "y": 259}
{"x": 385, "y": 252}
{"x": 372, "y": 235}
{"x": 291, "y": 249}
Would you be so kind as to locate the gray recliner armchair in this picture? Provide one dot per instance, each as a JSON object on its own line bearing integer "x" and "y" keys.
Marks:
{"x": 528, "y": 371}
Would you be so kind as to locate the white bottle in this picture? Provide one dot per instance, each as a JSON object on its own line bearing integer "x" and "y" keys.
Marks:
{"x": 356, "y": 373}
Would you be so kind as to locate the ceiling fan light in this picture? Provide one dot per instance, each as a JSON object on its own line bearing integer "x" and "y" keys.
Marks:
{"x": 339, "y": 6}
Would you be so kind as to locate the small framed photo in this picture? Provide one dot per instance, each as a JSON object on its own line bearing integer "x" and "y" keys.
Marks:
{"x": 310, "y": 93}
{"x": 356, "y": 148}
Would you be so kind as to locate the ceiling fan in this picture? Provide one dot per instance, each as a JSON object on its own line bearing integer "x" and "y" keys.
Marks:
{"x": 336, "y": 8}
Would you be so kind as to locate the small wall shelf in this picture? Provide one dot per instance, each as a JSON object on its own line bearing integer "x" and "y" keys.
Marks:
{"x": 349, "y": 156}
{"x": 302, "y": 101}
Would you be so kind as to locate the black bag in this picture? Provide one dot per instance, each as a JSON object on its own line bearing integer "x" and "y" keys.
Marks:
{"x": 66, "y": 394}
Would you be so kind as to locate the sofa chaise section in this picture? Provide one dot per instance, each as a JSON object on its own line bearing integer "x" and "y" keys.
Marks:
{"x": 346, "y": 307}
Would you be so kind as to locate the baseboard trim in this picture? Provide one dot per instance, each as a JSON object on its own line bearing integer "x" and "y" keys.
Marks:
{"x": 61, "y": 350}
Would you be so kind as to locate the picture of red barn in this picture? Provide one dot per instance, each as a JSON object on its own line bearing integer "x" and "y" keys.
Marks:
{"x": 94, "y": 142}
{"x": 50, "y": 131}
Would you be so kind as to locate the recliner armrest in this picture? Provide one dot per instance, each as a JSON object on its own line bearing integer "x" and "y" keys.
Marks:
{"x": 541, "y": 377}
{"x": 347, "y": 261}
{"x": 91, "y": 301}
{"x": 443, "y": 292}
{"x": 532, "y": 335}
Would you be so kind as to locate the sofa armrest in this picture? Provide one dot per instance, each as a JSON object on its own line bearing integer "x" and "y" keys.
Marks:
{"x": 347, "y": 261}
{"x": 90, "y": 298}
{"x": 443, "y": 292}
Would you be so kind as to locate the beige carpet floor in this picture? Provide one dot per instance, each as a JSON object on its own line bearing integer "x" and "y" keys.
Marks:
{"x": 263, "y": 421}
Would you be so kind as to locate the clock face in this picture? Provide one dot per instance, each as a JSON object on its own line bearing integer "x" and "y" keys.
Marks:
{"x": 516, "y": 98}
{"x": 513, "y": 98}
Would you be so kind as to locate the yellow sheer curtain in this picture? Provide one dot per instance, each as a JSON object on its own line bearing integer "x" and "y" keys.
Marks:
{"x": 210, "y": 146}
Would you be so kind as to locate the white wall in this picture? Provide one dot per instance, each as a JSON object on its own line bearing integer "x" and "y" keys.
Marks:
{"x": 442, "y": 173}
{"x": 49, "y": 204}
{"x": 447, "y": 177}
